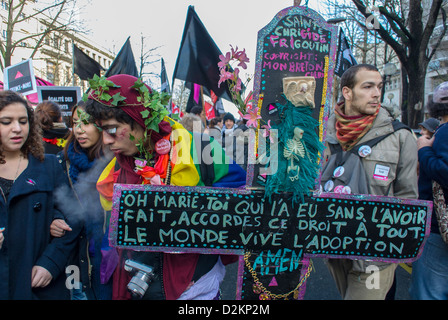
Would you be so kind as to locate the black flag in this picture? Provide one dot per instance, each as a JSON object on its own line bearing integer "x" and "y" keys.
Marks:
{"x": 124, "y": 62}
{"x": 164, "y": 78}
{"x": 195, "y": 97}
{"x": 345, "y": 58}
{"x": 197, "y": 61}
{"x": 84, "y": 66}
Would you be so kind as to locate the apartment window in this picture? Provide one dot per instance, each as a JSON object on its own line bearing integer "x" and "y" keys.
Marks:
{"x": 56, "y": 42}
{"x": 51, "y": 71}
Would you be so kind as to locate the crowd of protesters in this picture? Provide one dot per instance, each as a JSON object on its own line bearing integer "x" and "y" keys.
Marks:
{"x": 57, "y": 183}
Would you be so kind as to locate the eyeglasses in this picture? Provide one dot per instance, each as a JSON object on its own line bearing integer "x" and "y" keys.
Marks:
{"x": 111, "y": 131}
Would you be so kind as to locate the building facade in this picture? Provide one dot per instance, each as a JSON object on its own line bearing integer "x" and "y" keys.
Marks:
{"x": 53, "y": 58}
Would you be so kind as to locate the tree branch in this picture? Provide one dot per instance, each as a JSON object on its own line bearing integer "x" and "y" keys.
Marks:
{"x": 431, "y": 23}
{"x": 398, "y": 48}
{"x": 394, "y": 21}
{"x": 442, "y": 35}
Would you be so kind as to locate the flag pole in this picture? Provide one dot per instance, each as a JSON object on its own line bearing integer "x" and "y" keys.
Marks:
{"x": 203, "y": 107}
{"x": 171, "y": 99}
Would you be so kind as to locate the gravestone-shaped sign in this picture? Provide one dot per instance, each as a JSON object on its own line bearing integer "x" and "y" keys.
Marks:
{"x": 295, "y": 59}
{"x": 20, "y": 78}
{"x": 65, "y": 97}
{"x": 273, "y": 237}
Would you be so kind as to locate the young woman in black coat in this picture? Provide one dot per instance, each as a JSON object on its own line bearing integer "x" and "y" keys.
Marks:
{"x": 32, "y": 263}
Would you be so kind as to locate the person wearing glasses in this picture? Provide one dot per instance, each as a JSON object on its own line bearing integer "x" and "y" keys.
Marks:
{"x": 127, "y": 112}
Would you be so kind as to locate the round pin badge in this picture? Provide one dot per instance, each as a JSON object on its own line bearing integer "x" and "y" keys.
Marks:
{"x": 339, "y": 171}
{"x": 163, "y": 146}
{"x": 364, "y": 151}
{"x": 338, "y": 189}
{"x": 328, "y": 186}
{"x": 346, "y": 190}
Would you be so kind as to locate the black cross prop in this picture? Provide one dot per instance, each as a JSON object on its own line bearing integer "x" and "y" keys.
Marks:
{"x": 276, "y": 238}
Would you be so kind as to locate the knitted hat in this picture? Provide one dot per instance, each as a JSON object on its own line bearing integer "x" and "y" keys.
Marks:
{"x": 441, "y": 93}
{"x": 135, "y": 98}
{"x": 121, "y": 93}
{"x": 197, "y": 110}
{"x": 229, "y": 116}
{"x": 431, "y": 124}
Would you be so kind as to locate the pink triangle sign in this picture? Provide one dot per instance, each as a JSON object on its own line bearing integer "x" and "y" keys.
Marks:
{"x": 18, "y": 75}
{"x": 273, "y": 282}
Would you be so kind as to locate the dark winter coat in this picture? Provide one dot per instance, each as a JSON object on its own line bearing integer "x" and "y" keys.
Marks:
{"x": 434, "y": 166}
{"x": 27, "y": 215}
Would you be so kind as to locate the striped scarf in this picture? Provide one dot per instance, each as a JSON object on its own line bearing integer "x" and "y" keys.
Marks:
{"x": 350, "y": 129}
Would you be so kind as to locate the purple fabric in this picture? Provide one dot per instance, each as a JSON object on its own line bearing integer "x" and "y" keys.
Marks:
{"x": 108, "y": 264}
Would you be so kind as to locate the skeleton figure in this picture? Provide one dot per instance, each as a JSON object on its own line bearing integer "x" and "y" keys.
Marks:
{"x": 294, "y": 149}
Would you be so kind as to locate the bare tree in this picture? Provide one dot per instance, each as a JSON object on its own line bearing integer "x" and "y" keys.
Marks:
{"x": 366, "y": 44}
{"x": 56, "y": 16}
{"x": 180, "y": 94}
{"x": 147, "y": 59}
{"x": 407, "y": 27}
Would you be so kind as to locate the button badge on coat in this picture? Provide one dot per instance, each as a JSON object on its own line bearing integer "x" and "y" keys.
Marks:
{"x": 328, "y": 186}
{"x": 364, "y": 151}
{"x": 37, "y": 206}
{"x": 339, "y": 171}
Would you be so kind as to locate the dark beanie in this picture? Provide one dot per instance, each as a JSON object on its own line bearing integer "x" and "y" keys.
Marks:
{"x": 229, "y": 116}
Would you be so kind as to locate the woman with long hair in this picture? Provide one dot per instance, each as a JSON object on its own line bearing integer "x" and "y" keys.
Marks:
{"x": 84, "y": 158}
{"x": 32, "y": 263}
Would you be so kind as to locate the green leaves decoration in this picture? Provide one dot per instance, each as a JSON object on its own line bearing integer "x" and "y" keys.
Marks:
{"x": 154, "y": 102}
{"x": 117, "y": 98}
{"x": 101, "y": 87}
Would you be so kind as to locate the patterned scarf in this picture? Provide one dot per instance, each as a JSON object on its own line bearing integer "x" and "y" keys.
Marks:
{"x": 79, "y": 162}
{"x": 350, "y": 129}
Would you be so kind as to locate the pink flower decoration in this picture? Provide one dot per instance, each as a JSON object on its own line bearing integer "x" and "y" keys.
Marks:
{"x": 241, "y": 56}
{"x": 225, "y": 75}
{"x": 234, "y": 51}
{"x": 267, "y": 131}
{"x": 252, "y": 117}
{"x": 243, "y": 59}
{"x": 140, "y": 164}
{"x": 237, "y": 87}
{"x": 224, "y": 60}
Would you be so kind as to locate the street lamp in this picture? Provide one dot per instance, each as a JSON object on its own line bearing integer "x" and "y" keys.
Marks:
{"x": 389, "y": 69}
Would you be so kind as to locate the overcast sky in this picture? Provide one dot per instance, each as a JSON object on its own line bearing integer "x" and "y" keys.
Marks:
{"x": 161, "y": 22}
